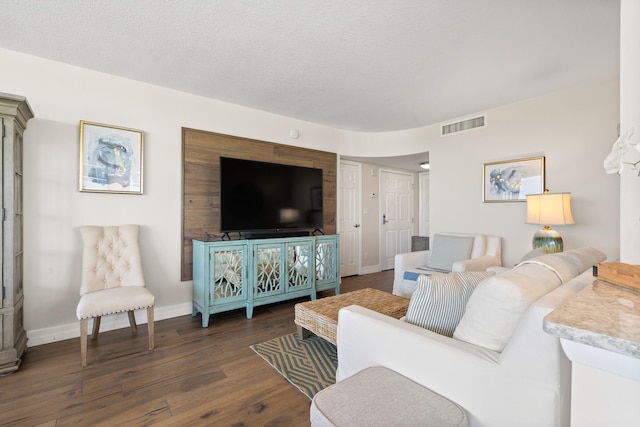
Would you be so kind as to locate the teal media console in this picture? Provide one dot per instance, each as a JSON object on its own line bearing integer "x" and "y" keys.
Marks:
{"x": 233, "y": 274}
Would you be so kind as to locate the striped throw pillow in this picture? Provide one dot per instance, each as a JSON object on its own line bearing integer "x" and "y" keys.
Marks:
{"x": 440, "y": 300}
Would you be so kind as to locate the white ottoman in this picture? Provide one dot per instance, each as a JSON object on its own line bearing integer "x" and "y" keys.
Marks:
{"x": 378, "y": 396}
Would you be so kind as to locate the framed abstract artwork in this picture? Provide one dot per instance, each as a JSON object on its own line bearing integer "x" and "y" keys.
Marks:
{"x": 512, "y": 180}
{"x": 110, "y": 159}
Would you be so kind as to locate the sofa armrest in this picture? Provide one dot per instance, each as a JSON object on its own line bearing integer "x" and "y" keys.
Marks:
{"x": 368, "y": 338}
{"x": 407, "y": 261}
{"x": 467, "y": 374}
{"x": 477, "y": 264}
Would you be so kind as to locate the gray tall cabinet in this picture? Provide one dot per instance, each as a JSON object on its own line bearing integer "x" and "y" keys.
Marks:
{"x": 14, "y": 114}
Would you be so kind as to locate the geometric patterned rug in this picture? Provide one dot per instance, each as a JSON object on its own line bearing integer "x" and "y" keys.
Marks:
{"x": 308, "y": 364}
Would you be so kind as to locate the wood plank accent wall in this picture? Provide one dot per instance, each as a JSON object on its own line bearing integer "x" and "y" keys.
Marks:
{"x": 201, "y": 152}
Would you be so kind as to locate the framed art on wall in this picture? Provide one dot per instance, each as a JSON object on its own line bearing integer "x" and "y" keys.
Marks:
{"x": 110, "y": 159}
{"x": 512, "y": 180}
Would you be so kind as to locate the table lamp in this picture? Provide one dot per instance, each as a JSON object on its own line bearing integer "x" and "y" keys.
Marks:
{"x": 549, "y": 209}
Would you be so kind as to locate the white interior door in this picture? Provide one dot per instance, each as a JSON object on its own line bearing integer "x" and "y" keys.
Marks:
{"x": 396, "y": 201}
{"x": 349, "y": 219}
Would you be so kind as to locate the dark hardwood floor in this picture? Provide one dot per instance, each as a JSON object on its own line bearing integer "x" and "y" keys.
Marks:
{"x": 195, "y": 376}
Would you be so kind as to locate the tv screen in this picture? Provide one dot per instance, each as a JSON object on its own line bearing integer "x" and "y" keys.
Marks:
{"x": 257, "y": 196}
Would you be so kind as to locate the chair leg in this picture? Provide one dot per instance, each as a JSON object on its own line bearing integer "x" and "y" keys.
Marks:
{"x": 150, "y": 326}
{"x": 132, "y": 320}
{"x": 84, "y": 326}
{"x": 96, "y": 328}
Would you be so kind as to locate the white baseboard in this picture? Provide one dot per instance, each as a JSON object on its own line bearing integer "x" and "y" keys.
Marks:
{"x": 370, "y": 269}
{"x": 72, "y": 330}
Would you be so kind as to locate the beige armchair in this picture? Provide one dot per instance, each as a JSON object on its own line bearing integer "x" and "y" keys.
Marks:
{"x": 112, "y": 280}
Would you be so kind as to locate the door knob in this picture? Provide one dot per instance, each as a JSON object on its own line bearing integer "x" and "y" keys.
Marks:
{"x": 384, "y": 218}
{"x": 357, "y": 225}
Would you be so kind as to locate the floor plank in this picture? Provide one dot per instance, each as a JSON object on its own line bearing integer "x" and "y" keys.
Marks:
{"x": 195, "y": 376}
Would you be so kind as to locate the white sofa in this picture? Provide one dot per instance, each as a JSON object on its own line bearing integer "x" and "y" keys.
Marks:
{"x": 526, "y": 383}
{"x": 486, "y": 251}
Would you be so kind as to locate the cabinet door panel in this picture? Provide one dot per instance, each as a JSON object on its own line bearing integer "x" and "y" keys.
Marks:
{"x": 326, "y": 257}
{"x": 300, "y": 262}
{"x": 268, "y": 272}
{"x": 228, "y": 279}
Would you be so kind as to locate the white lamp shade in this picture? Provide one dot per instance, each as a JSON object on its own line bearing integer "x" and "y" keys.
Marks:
{"x": 549, "y": 209}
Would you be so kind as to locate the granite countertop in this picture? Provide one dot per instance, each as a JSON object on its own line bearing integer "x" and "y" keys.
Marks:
{"x": 601, "y": 315}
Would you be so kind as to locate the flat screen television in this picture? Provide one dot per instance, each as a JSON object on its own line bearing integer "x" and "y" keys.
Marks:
{"x": 260, "y": 196}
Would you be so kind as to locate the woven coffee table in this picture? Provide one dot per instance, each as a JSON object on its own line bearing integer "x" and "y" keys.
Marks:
{"x": 320, "y": 316}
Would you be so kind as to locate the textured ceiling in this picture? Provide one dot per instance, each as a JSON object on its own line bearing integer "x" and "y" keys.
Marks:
{"x": 362, "y": 65}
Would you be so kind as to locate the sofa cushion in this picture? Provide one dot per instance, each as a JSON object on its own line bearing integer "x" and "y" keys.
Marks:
{"x": 532, "y": 254}
{"x": 568, "y": 264}
{"x": 440, "y": 300}
{"x": 498, "y": 303}
{"x": 448, "y": 248}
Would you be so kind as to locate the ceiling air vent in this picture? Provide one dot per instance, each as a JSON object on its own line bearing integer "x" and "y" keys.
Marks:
{"x": 476, "y": 122}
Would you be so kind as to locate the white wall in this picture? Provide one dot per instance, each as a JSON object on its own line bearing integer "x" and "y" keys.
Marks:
{"x": 601, "y": 397}
{"x": 630, "y": 119}
{"x": 573, "y": 129}
{"x": 62, "y": 95}
{"x": 370, "y": 240}
{"x": 423, "y": 208}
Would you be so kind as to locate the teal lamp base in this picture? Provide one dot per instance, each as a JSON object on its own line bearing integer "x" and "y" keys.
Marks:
{"x": 548, "y": 240}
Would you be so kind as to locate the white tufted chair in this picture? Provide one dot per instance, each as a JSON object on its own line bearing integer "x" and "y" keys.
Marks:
{"x": 112, "y": 279}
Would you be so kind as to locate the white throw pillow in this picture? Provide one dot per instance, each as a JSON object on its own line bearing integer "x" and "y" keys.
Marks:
{"x": 448, "y": 249}
{"x": 439, "y": 301}
{"x": 498, "y": 303}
